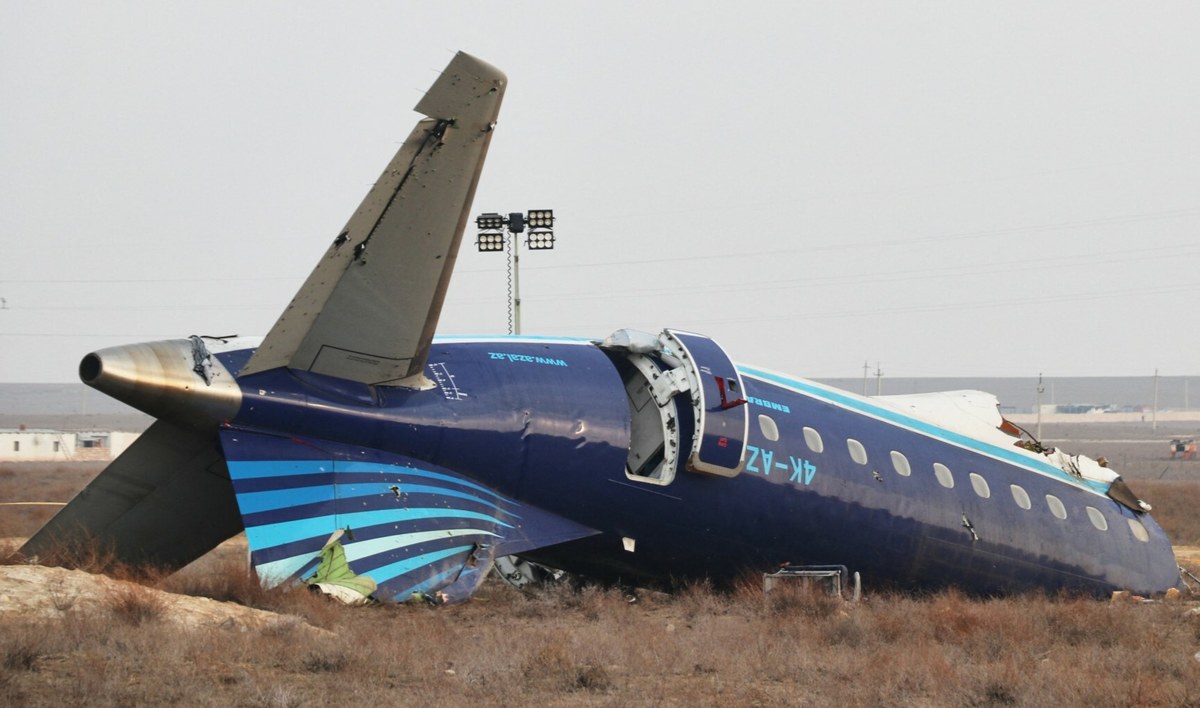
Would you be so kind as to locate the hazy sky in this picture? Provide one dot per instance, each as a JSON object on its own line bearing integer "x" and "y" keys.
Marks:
{"x": 947, "y": 188}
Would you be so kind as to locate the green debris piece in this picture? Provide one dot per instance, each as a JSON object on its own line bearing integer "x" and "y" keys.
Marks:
{"x": 335, "y": 570}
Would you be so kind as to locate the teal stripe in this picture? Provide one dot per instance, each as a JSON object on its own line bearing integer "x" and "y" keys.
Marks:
{"x": 868, "y": 408}
{"x": 364, "y": 549}
{"x": 279, "y": 570}
{"x": 270, "y": 535}
{"x": 414, "y": 472}
{"x": 258, "y": 469}
{"x": 385, "y": 573}
{"x": 254, "y": 502}
{"x": 253, "y": 469}
{"x": 275, "y": 572}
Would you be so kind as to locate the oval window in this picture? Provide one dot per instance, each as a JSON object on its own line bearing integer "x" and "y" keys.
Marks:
{"x": 980, "y": 485}
{"x": 1139, "y": 531}
{"x": 900, "y": 462}
{"x": 1097, "y": 518}
{"x": 768, "y": 427}
{"x": 944, "y": 477}
{"x": 813, "y": 439}
{"x": 858, "y": 453}
{"x": 1055, "y": 504}
{"x": 1021, "y": 497}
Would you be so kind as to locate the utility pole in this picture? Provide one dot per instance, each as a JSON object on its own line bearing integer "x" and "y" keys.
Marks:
{"x": 878, "y": 380}
{"x": 1154, "y": 418}
{"x": 866, "y": 367}
{"x": 516, "y": 287}
{"x": 1040, "y": 390}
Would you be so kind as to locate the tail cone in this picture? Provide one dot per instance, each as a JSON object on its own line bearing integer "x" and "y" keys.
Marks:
{"x": 177, "y": 380}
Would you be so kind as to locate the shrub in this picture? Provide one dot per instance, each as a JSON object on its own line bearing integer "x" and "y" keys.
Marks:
{"x": 21, "y": 647}
{"x": 135, "y": 605}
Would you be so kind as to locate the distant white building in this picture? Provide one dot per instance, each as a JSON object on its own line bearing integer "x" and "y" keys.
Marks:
{"x": 43, "y": 445}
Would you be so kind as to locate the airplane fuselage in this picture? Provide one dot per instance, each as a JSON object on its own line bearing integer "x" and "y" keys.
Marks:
{"x": 362, "y": 455}
{"x": 829, "y": 477}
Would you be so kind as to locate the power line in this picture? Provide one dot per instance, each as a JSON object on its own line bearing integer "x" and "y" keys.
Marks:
{"x": 145, "y": 308}
{"x": 879, "y": 243}
{"x": 881, "y": 277}
{"x": 725, "y": 256}
{"x": 778, "y": 316}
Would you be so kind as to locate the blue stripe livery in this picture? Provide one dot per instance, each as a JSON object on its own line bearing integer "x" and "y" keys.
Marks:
{"x": 402, "y": 519}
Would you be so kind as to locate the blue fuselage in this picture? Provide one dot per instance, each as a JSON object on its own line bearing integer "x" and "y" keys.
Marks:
{"x": 548, "y": 423}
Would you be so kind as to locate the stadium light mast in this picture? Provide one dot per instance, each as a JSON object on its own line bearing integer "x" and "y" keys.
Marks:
{"x": 498, "y": 232}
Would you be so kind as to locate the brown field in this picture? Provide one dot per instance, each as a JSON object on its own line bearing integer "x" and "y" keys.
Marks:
{"x": 38, "y": 482}
{"x": 595, "y": 646}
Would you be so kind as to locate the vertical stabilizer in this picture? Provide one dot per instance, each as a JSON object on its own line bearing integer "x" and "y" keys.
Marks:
{"x": 368, "y": 311}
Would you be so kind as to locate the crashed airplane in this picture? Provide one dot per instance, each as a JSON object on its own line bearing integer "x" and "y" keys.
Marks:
{"x": 359, "y": 451}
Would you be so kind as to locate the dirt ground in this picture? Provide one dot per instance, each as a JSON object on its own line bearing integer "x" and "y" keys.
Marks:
{"x": 564, "y": 646}
{"x": 1134, "y": 450}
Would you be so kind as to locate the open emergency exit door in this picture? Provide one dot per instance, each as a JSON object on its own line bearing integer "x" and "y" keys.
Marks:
{"x": 722, "y": 418}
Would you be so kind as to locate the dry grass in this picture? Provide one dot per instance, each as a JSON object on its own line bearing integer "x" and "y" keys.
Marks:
{"x": 135, "y": 605}
{"x": 593, "y": 646}
{"x": 1176, "y": 507}
{"x": 39, "y": 482}
{"x": 597, "y": 646}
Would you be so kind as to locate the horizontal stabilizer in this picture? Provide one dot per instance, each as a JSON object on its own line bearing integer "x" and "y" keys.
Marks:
{"x": 410, "y": 526}
{"x": 368, "y": 311}
{"x": 165, "y": 501}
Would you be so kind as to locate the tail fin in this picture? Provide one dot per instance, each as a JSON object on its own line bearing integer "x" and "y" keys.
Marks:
{"x": 368, "y": 311}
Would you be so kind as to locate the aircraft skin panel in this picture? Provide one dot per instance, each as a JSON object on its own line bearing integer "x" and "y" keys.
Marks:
{"x": 545, "y": 423}
{"x": 720, "y": 408}
{"x": 405, "y": 522}
{"x": 872, "y": 408}
{"x": 551, "y": 416}
{"x": 914, "y": 517}
{"x": 973, "y": 413}
{"x": 368, "y": 311}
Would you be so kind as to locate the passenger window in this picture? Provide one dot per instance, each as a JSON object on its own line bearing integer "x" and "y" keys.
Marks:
{"x": 858, "y": 453}
{"x": 1097, "y": 518}
{"x": 768, "y": 427}
{"x": 980, "y": 485}
{"x": 1139, "y": 531}
{"x": 813, "y": 439}
{"x": 900, "y": 462}
{"x": 1021, "y": 497}
{"x": 1055, "y": 504}
{"x": 944, "y": 477}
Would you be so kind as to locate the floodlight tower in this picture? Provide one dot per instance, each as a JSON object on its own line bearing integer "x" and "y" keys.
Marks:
{"x": 498, "y": 232}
